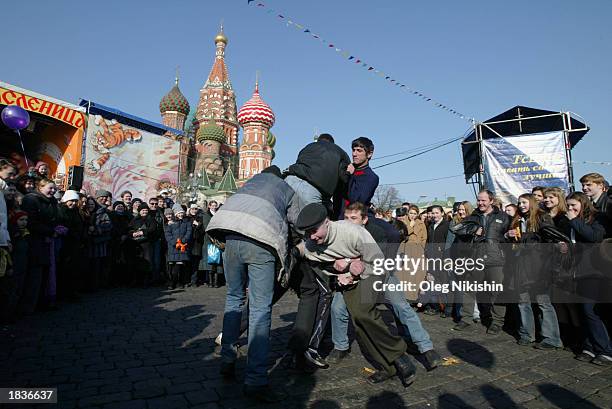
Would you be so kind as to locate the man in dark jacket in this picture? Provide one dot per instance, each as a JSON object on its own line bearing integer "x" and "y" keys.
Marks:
{"x": 593, "y": 185}
{"x": 157, "y": 214}
{"x": 434, "y": 250}
{"x": 494, "y": 224}
{"x": 319, "y": 171}
{"x": 254, "y": 223}
{"x": 362, "y": 181}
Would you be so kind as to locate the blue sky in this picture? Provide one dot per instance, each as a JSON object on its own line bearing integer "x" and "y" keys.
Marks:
{"x": 479, "y": 57}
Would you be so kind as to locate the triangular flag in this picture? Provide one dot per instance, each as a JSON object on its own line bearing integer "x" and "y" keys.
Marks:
{"x": 351, "y": 57}
{"x": 370, "y": 69}
{"x": 307, "y": 31}
{"x": 299, "y": 26}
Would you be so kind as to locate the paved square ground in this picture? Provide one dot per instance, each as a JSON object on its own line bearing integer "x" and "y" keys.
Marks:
{"x": 152, "y": 348}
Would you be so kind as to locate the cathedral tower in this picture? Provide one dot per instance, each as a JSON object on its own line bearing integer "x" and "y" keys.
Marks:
{"x": 256, "y": 118}
{"x": 217, "y": 106}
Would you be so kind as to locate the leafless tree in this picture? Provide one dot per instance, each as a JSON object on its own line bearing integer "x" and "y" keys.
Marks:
{"x": 386, "y": 198}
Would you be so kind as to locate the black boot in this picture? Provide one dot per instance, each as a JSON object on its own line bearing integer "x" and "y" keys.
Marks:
{"x": 215, "y": 280}
{"x": 405, "y": 369}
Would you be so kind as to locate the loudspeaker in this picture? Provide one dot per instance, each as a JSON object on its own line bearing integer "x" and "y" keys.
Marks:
{"x": 75, "y": 177}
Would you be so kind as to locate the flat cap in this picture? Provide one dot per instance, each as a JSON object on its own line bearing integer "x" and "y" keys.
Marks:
{"x": 311, "y": 216}
{"x": 103, "y": 193}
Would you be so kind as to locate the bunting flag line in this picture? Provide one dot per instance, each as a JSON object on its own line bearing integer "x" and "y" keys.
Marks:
{"x": 346, "y": 55}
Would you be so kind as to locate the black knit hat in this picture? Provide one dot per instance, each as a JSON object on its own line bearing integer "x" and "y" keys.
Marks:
{"x": 275, "y": 170}
{"x": 311, "y": 216}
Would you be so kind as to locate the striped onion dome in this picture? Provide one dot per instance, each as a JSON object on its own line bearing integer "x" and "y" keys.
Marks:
{"x": 174, "y": 100}
{"x": 256, "y": 110}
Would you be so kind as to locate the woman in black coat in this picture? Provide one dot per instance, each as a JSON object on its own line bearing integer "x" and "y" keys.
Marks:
{"x": 41, "y": 207}
{"x": 586, "y": 232}
{"x": 70, "y": 264}
{"x": 142, "y": 231}
{"x": 532, "y": 274}
{"x": 197, "y": 233}
{"x": 120, "y": 246}
{"x": 178, "y": 236}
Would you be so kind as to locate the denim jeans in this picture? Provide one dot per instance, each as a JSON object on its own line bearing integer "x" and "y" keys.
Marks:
{"x": 549, "y": 322}
{"x": 156, "y": 260}
{"x": 595, "y": 334}
{"x": 413, "y": 329}
{"x": 247, "y": 263}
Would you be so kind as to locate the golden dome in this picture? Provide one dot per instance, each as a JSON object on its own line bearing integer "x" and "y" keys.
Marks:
{"x": 221, "y": 38}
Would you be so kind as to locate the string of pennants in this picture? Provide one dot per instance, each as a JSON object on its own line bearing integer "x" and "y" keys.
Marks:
{"x": 345, "y": 54}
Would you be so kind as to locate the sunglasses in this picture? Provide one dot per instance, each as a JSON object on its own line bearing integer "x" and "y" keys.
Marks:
{"x": 152, "y": 204}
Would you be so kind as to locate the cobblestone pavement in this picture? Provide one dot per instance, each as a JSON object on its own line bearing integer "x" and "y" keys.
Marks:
{"x": 152, "y": 348}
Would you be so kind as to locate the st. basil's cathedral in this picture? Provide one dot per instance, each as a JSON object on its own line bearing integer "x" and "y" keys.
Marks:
{"x": 211, "y": 157}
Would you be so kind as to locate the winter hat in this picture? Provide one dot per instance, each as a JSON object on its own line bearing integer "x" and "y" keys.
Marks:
{"x": 275, "y": 170}
{"x": 194, "y": 206}
{"x": 311, "y": 216}
{"x": 177, "y": 208}
{"x": 41, "y": 163}
{"x": 167, "y": 212}
{"x": 70, "y": 195}
{"x": 103, "y": 193}
{"x": 117, "y": 203}
{"x": 16, "y": 216}
{"x": 143, "y": 206}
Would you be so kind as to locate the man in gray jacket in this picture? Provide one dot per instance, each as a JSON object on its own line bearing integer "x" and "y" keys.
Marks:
{"x": 254, "y": 223}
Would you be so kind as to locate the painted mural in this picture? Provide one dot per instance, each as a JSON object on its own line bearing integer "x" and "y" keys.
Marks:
{"x": 121, "y": 157}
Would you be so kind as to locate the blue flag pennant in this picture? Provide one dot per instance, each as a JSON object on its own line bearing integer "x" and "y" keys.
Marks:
{"x": 349, "y": 57}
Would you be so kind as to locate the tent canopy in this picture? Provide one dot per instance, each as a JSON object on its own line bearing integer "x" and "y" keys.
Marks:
{"x": 518, "y": 121}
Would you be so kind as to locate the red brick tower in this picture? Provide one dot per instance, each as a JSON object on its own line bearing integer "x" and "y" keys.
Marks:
{"x": 256, "y": 118}
{"x": 217, "y": 103}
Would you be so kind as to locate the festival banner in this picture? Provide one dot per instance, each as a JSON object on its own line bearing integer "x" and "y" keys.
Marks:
{"x": 60, "y": 112}
{"x": 514, "y": 165}
{"x": 121, "y": 157}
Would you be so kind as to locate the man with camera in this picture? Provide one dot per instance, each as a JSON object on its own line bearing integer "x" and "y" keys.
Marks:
{"x": 494, "y": 223}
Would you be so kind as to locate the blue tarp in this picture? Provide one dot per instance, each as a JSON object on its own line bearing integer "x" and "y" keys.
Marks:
{"x": 127, "y": 119}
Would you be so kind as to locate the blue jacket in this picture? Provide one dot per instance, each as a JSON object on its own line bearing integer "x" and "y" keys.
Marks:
{"x": 180, "y": 229}
{"x": 361, "y": 187}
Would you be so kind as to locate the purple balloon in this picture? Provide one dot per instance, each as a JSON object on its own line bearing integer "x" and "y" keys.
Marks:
{"x": 15, "y": 117}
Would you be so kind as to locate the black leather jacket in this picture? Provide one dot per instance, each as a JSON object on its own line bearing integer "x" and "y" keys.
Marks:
{"x": 488, "y": 245}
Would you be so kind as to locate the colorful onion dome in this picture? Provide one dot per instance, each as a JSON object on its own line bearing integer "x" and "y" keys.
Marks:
{"x": 211, "y": 132}
{"x": 256, "y": 110}
{"x": 271, "y": 139}
{"x": 174, "y": 100}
